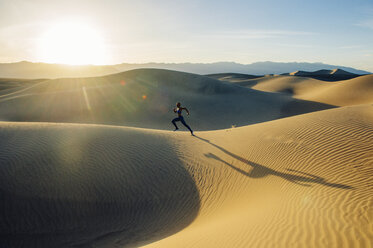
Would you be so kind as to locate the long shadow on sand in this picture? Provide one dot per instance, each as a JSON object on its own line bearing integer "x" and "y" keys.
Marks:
{"x": 259, "y": 171}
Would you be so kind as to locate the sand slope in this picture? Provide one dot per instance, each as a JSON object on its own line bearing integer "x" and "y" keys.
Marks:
{"x": 343, "y": 93}
{"x": 289, "y": 84}
{"x": 326, "y": 75}
{"x": 145, "y": 98}
{"x": 353, "y": 91}
{"x": 14, "y": 86}
{"x": 278, "y": 83}
{"x": 232, "y": 77}
{"x": 303, "y": 181}
{"x": 64, "y": 185}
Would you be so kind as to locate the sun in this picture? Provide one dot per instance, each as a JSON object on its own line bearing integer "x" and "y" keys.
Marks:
{"x": 72, "y": 43}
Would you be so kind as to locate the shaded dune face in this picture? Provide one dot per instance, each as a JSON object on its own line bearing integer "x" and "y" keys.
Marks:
{"x": 145, "y": 98}
{"x": 87, "y": 186}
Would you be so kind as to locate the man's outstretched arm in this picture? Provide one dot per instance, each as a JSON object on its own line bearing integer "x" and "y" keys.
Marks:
{"x": 187, "y": 110}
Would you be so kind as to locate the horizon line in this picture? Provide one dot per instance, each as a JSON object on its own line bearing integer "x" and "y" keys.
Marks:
{"x": 186, "y": 62}
{"x": 176, "y": 63}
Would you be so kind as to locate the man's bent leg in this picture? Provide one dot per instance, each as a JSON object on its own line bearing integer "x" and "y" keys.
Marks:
{"x": 174, "y": 122}
{"x": 186, "y": 125}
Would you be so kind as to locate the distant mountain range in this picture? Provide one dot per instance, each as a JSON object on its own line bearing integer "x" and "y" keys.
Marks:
{"x": 258, "y": 68}
{"x": 30, "y": 70}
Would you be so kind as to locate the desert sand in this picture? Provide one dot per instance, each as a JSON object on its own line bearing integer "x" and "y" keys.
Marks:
{"x": 90, "y": 162}
{"x": 358, "y": 90}
{"x": 144, "y": 97}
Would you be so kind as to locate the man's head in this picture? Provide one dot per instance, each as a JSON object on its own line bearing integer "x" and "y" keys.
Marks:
{"x": 178, "y": 104}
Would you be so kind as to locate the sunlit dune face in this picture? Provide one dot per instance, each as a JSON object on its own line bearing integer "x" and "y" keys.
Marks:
{"x": 72, "y": 43}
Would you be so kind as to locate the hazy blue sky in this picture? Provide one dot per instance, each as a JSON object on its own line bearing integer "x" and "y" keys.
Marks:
{"x": 330, "y": 31}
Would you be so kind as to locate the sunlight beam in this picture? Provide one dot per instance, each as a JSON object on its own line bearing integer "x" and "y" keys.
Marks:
{"x": 72, "y": 43}
{"x": 86, "y": 99}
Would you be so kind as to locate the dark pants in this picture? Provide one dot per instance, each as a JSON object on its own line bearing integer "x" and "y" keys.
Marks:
{"x": 180, "y": 118}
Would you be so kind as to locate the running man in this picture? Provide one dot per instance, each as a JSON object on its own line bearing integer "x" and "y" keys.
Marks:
{"x": 178, "y": 110}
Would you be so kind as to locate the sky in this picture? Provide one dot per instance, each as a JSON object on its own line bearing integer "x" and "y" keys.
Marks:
{"x": 243, "y": 31}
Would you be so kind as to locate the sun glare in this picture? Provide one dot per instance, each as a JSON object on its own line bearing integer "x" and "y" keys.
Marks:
{"x": 72, "y": 43}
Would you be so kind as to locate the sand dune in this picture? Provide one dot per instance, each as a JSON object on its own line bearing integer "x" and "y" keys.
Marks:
{"x": 303, "y": 181}
{"x": 349, "y": 92}
{"x": 322, "y": 72}
{"x": 326, "y": 75}
{"x": 342, "y": 93}
{"x": 288, "y": 84}
{"x": 66, "y": 185}
{"x": 232, "y": 77}
{"x": 144, "y": 98}
{"x": 11, "y": 86}
{"x": 275, "y": 83}
{"x": 296, "y": 182}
